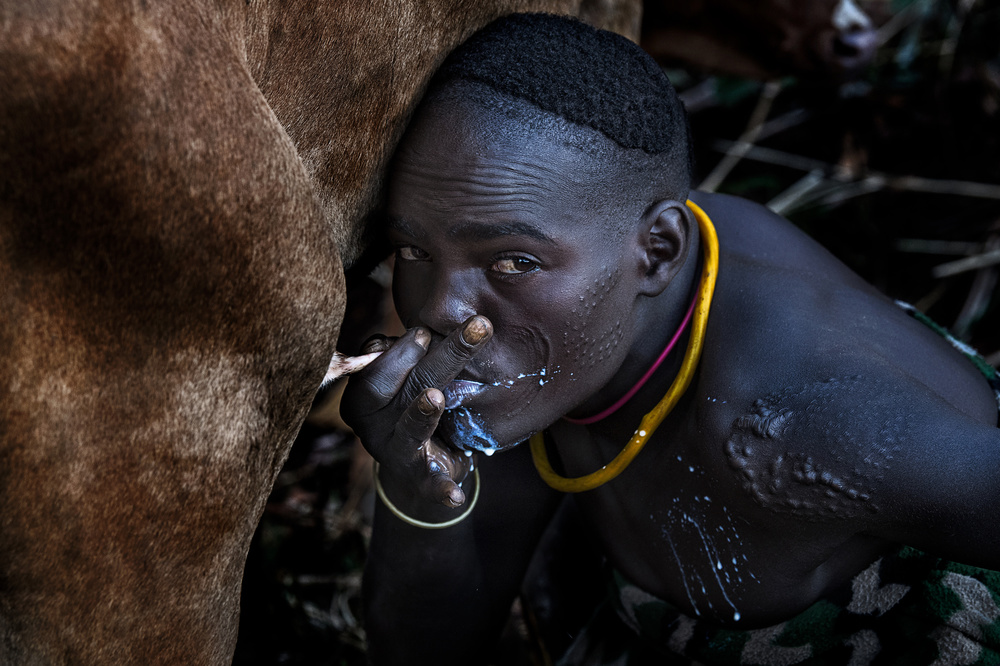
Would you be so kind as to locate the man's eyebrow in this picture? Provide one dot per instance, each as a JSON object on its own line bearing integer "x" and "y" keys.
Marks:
{"x": 403, "y": 227}
{"x": 482, "y": 232}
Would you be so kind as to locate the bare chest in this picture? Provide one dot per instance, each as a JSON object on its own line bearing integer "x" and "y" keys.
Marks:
{"x": 681, "y": 526}
{"x": 678, "y": 539}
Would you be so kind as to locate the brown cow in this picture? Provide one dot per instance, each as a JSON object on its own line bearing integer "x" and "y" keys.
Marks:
{"x": 831, "y": 38}
{"x": 179, "y": 184}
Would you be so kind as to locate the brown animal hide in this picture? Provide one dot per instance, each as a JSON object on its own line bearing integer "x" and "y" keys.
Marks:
{"x": 828, "y": 38}
{"x": 179, "y": 182}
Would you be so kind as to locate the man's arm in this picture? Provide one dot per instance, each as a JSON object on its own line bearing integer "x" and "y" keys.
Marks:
{"x": 441, "y": 596}
{"x": 875, "y": 452}
{"x": 944, "y": 486}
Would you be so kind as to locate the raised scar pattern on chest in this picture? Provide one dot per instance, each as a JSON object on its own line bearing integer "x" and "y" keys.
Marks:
{"x": 831, "y": 477}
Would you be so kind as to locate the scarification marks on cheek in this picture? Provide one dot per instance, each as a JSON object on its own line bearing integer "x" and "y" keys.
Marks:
{"x": 766, "y": 449}
{"x": 588, "y": 349}
{"x": 586, "y": 339}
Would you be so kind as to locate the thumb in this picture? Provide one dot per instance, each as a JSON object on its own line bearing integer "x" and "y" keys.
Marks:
{"x": 446, "y": 472}
{"x": 443, "y": 488}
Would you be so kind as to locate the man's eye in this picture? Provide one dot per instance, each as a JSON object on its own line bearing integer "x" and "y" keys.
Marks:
{"x": 411, "y": 253}
{"x": 514, "y": 265}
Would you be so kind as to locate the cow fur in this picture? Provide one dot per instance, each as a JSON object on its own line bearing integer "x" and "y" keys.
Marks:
{"x": 181, "y": 184}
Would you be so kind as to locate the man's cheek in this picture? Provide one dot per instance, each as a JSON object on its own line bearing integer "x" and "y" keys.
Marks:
{"x": 591, "y": 335}
{"x": 405, "y": 300}
{"x": 587, "y": 347}
{"x": 593, "y": 327}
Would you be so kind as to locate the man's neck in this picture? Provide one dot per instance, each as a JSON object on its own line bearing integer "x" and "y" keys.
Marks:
{"x": 658, "y": 319}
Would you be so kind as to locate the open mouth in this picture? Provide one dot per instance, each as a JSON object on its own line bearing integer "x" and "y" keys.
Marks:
{"x": 459, "y": 390}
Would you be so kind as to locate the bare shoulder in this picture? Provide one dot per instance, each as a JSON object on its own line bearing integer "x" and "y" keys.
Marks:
{"x": 885, "y": 457}
{"x": 819, "y": 449}
{"x": 788, "y": 314}
{"x": 841, "y": 407}
{"x": 753, "y": 233}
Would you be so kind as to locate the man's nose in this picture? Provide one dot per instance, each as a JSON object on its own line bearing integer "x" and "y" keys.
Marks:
{"x": 449, "y": 304}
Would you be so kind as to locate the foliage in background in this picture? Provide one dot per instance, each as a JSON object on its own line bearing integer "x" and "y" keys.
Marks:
{"x": 897, "y": 172}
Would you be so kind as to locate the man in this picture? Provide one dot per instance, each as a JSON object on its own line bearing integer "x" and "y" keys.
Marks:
{"x": 752, "y": 432}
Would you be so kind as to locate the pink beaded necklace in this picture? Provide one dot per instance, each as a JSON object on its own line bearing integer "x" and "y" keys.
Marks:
{"x": 649, "y": 373}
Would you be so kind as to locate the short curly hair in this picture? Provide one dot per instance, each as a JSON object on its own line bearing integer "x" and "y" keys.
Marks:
{"x": 589, "y": 77}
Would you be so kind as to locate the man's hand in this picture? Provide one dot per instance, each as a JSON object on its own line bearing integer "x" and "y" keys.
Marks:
{"x": 395, "y": 403}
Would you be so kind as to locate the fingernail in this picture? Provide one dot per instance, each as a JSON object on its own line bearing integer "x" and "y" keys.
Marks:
{"x": 456, "y": 497}
{"x": 475, "y": 330}
{"x": 422, "y": 338}
{"x": 430, "y": 402}
{"x": 375, "y": 345}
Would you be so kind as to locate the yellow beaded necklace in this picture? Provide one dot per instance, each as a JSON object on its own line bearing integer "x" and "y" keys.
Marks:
{"x": 651, "y": 421}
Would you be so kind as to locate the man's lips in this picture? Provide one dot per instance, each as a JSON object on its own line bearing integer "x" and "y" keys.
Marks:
{"x": 459, "y": 390}
{"x": 469, "y": 384}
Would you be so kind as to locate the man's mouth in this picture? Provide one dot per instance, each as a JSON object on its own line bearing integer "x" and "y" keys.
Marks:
{"x": 469, "y": 434}
{"x": 459, "y": 390}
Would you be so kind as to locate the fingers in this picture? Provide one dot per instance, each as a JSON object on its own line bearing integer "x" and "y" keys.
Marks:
{"x": 420, "y": 420}
{"x": 377, "y": 343}
{"x": 396, "y": 403}
{"x": 435, "y": 470}
{"x": 446, "y": 469}
{"x": 447, "y": 359}
{"x": 443, "y": 490}
{"x": 389, "y": 375}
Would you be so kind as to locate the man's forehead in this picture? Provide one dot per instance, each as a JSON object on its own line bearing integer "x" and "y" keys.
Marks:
{"x": 476, "y": 230}
{"x": 473, "y": 165}
{"x": 477, "y": 195}
{"x": 451, "y": 164}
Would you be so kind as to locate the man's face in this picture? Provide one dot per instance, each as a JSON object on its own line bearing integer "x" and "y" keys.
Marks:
{"x": 489, "y": 222}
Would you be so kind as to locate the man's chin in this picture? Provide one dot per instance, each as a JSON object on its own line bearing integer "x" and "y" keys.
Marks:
{"x": 468, "y": 431}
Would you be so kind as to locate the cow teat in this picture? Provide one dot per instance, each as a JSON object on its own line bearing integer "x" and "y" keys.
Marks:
{"x": 342, "y": 364}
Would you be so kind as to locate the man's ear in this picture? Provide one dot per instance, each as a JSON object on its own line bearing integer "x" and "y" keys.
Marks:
{"x": 667, "y": 234}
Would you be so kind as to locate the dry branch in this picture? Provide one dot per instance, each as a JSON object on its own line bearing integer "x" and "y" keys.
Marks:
{"x": 972, "y": 263}
{"x": 746, "y": 140}
{"x": 873, "y": 181}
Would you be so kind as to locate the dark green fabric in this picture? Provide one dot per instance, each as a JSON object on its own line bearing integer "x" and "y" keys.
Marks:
{"x": 908, "y": 608}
